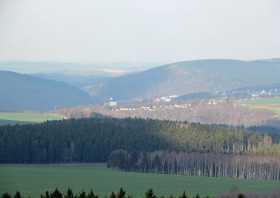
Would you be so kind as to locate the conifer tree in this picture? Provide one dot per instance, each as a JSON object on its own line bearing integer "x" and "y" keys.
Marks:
{"x": 121, "y": 193}
{"x": 112, "y": 195}
{"x": 184, "y": 195}
{"x": 17, "y": 195}
{"x": 83, "y": 195}
{"x": 92, "y": 195}
{"x": 241, "y": 195}
{"x": 69, "y": 193}
{"x": 56, "y": 194}
{"x": 6, "y": 195}
{"x": 150, "y": 194}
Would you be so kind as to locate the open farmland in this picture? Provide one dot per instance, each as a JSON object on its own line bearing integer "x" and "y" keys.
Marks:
{"x": 35, "y": 179}
{"x": 267, "y": 104}
{"x": 10, "y": 117}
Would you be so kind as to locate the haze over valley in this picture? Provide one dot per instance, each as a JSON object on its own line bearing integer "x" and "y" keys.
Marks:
{"x": 216, "y": 91}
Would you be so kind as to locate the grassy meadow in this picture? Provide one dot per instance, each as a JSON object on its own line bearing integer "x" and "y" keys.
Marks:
{"x": 35, "y": 179}
{"x": 266, "y": 104}
{"x": 28, "y": 117}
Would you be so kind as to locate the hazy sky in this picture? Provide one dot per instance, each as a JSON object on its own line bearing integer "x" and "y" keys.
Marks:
{"x": 91, "y": 31}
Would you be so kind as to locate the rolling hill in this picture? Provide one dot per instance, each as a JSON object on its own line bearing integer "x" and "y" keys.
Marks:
{"x": 20, "y": 92}
{"x": 76, "y": 80}
{"x": 190, "y": 77}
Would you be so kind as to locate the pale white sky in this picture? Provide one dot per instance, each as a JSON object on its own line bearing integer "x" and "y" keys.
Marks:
{"x": 91, "y": 31}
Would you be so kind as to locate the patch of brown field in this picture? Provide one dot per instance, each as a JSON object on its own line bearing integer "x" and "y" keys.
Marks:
{"x": 219, "y": 113}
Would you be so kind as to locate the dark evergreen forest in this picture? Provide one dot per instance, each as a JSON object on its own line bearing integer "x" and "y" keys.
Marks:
{"x": 145, "y": 145}
{"x": 93, "y": 140}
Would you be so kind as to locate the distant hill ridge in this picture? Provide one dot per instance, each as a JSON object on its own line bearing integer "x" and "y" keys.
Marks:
{"x": 210, "y": 75}
{"x": 25, "y": 92}
{"x": 19, "y": 92}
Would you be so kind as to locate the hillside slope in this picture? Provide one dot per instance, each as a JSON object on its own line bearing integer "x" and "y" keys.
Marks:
{"x": 190, "y": 77}
{"x": 23, "y": 92}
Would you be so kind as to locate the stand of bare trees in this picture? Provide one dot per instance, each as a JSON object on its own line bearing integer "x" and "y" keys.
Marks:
{"x": 199, "y": 164}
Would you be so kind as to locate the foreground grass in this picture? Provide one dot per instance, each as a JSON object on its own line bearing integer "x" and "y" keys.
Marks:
{"x": 35, "y": 179}
{"x": 28, "y": 116}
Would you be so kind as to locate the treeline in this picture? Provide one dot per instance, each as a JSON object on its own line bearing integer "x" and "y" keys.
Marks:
{"x": 120, "y": 194}
{"x": 273, "y": 131}
{"x": 84, "y": 140}
{"x": 148, "y": 194}
{"x": 93, "y": 140}
{"x": 199, "y": 164}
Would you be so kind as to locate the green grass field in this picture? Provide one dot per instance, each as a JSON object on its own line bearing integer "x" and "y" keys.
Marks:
{"x": 28, "y": 116}
{"x": 266, "y": 104}
{"x": 266, "y": 101}
{"x": 35, "y": 179}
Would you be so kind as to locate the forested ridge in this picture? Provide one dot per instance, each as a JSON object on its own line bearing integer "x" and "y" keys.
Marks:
{"x": 93, "y": 140}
